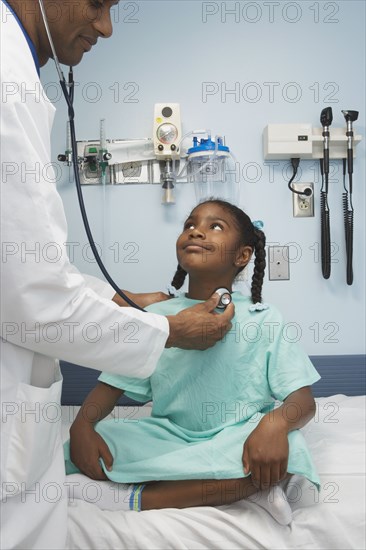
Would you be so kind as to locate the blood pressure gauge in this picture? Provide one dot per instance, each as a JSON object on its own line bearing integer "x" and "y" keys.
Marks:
{"x": 225, "y": 298}
{"x": 167, "y": 133}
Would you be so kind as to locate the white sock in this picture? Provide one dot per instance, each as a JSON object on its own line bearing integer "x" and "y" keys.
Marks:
{"x": 107, "y": 495}
{"x": 274, "y": 501}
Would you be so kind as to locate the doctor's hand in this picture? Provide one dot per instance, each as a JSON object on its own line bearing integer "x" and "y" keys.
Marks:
{"x": 265, "y": 453}
{"x": 199, "y": 327}
{"x": 142, "y": 299}
{"x": 86, "y": 448}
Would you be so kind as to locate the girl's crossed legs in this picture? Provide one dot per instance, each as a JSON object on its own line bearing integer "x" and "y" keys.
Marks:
{"x": 109, "y": 495}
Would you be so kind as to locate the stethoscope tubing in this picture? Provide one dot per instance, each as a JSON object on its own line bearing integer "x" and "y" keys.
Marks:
{"x": 69, "y": 95}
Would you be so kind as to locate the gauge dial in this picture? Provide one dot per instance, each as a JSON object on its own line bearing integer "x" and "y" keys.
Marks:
{"x": 167, "y": 133}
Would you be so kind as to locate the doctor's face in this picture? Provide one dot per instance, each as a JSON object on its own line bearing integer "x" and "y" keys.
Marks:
{"x": 75, "y": 27}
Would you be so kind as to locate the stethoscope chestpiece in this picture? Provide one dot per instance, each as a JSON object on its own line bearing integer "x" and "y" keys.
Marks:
{"x": 225, "y": 298}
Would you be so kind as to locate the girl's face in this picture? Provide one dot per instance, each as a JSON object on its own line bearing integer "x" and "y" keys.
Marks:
{"x": 210, "y": 243}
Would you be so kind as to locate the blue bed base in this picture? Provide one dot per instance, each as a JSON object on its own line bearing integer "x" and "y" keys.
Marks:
{"x": 341, "y": 374}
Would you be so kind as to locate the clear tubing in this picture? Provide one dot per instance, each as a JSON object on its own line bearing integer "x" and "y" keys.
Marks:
{"x": 192, "y": 133}
{"x": 103, "y": 150}
{"x": 68, "y": 144}
{"x": 103, "y": 143}
{"x": 68, "y": 137}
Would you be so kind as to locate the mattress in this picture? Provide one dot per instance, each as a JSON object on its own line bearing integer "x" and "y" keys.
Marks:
{"x": 331, "y": 519}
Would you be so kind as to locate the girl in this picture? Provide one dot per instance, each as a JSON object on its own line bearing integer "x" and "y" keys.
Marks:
{"x": 214, "y": 436}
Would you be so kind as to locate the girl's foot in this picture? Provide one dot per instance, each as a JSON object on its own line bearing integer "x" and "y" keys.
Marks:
{"x": 274, "y": 501}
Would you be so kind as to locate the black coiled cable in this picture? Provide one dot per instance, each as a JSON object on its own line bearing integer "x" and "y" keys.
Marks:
{"x": 325, "y": 224}
{"x": 348, "y": 215}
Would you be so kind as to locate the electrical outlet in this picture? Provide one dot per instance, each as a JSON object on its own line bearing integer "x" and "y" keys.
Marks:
{"x": 278, "y": 265}
{"x": 303, "y": 205}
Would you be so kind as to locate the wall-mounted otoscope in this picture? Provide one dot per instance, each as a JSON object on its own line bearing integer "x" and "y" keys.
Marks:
{"x": 326, "y": 119}
{"x": 302, "y": 141}
{"x": 348, "y": 212}
{"x": 351, "y": 117}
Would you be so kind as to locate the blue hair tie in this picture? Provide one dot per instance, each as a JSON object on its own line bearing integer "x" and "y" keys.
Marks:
{"x": 258, "y": 224}
{"x": 172, "y": 291}
{"x": 259, "y": 306}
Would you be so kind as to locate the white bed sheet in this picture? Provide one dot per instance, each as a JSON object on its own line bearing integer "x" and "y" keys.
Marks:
{"x": 334, "y": 519}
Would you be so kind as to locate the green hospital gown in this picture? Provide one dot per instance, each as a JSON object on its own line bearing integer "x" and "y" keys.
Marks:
{"x": 206, "y": 403}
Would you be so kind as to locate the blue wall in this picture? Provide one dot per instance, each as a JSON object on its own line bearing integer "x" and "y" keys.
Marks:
{"x": 285, "y": 61}
{"x": 340, "y": 374}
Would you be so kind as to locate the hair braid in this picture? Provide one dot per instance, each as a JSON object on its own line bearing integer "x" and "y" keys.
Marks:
{"x": 259, "y": 265}
{"x": 179, "y": 277}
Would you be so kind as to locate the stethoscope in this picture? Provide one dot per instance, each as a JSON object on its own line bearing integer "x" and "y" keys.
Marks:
{"x": 225, "y": 296}
{"x": 69, "y": 97}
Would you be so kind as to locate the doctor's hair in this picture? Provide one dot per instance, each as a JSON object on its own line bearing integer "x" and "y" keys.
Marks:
{"x": 249, "y": 235}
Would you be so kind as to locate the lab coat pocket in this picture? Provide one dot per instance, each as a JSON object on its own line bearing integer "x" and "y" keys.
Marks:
{"x": 35, "y": 434}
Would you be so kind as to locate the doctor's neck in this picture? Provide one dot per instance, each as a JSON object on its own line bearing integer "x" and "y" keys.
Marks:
{"x": 29, "y": 15}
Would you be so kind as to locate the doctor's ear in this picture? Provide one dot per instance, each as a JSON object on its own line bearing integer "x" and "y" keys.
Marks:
{"x": 243, "y": 256}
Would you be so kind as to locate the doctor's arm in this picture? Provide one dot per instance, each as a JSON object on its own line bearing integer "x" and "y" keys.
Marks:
{"x": 142, "y": 299}
{"x": 197, "y": 327}
{"x": 86, "y": 445}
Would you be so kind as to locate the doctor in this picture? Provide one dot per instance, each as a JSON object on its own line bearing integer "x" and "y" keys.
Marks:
{"x": 48, "y": 309}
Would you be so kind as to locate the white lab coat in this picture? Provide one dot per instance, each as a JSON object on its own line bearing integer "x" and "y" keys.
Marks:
{"x": 47, "y": 310}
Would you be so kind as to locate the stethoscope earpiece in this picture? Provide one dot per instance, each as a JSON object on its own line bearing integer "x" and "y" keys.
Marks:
{"x": 225, "y": 298}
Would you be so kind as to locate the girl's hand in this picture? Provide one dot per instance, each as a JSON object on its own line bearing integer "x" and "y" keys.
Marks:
{"x": 265, "y": 453}
{"x": 86, "y": 448}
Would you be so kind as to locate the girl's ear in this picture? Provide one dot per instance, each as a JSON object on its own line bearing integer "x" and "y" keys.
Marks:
{"x": 243, "y": 256}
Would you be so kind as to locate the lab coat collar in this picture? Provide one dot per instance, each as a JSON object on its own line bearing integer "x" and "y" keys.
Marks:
{"x": 26, "y": 35}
